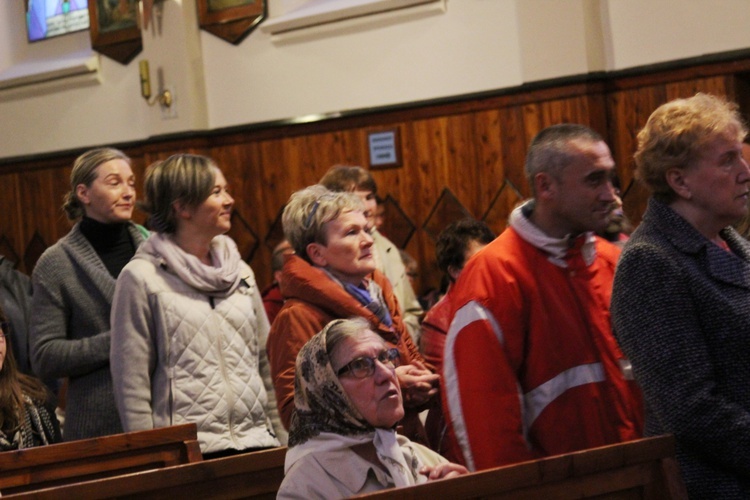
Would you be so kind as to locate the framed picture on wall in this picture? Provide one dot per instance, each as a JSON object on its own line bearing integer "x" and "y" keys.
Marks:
{"x": 230, "y": 20}
{"x": 114, "y": 29}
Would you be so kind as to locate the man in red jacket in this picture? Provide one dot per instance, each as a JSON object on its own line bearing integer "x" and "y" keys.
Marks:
{"x": 531, "y": 368}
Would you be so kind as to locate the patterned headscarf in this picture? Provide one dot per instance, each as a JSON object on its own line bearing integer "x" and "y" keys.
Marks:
{"x": 321, "y": 404}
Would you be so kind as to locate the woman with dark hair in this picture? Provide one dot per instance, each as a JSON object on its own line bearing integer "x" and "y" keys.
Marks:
{"x": 26, "y": 417}
{"x": 74, "y": 281}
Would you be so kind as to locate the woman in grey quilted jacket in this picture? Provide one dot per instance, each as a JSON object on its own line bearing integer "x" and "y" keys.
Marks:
{"x": 188, "y": 325}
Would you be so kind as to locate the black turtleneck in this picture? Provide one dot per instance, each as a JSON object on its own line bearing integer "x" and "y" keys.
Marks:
{"x": 112, "y": 242}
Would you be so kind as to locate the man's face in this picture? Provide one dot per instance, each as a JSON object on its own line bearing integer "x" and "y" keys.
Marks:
{"x": 582, "y": 196}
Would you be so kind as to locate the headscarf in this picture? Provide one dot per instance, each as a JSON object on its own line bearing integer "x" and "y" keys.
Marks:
{"x": 326, "y": 420}
{"x": 321, "y": 404}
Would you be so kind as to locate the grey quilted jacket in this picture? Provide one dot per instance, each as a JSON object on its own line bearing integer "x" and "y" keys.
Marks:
{"x": 180, "y": 355}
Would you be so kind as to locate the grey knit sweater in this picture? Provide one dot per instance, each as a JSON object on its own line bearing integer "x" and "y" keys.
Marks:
{"x": 69, "y": 333}
{"x": 681, "y": 312}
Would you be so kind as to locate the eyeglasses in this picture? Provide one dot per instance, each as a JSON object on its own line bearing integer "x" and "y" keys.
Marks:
{"x": 364, "y": 367}
{"x": 5, "y": 326}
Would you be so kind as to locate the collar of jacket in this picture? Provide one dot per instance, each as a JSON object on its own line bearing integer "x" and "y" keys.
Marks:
{"x": 729, "y": 267}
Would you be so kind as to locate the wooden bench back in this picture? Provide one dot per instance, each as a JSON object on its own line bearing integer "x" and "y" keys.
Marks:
{"x": 106, "y": 456}
{"x": 252, "y": 475}
{"x": 641, "y": 469}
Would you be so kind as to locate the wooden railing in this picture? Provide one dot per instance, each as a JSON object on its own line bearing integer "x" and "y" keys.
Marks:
{"x": 643, "y": 469}
{"x": 88, "y": 459}
{"x": 253, "y": 475}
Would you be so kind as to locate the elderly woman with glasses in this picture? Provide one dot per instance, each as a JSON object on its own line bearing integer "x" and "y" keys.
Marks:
{"x": 331, "y": 276}
{"x": 27, "y": 415}
{"x": 348, "y": 401}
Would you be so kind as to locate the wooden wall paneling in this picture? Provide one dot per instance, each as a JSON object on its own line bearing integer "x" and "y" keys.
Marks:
{"x": 473, "y": 149}
{"x": 514, "y": 145}
{"x": 716, "y": 85}
{"x": 628, "y": 111}
{"x": 740, "y": 89}
{"x": 427, "y": 168}
{"x": 241, "y": 166}
{"x": 11, "y": 221}
{"x": 40, "y": 198}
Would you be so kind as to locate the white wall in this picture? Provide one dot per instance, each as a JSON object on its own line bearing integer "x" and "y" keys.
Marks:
{"x": 471, "y": 47}
{"x": 652, "y": 31}
{"x": 475, "y": 45}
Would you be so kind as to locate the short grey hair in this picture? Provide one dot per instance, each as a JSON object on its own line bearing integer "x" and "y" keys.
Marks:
{"x": 307, "y": 212}
{"x": 552, "y": 150}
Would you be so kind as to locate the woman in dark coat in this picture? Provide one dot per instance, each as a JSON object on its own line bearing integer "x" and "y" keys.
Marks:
{"x": 681, "y": 298}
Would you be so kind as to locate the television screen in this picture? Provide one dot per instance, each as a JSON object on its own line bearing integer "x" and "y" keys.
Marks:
{"x": 48, "y": 18}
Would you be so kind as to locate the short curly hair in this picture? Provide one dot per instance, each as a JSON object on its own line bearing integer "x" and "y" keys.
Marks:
{"x": 307, "y": 212}
{"x": 675, "y": 134}
{"x": 454, "y": 240}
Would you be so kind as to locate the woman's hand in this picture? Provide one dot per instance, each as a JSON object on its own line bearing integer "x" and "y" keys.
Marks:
{"x": 444, "y": 471}
{"x": 418, "y": 384}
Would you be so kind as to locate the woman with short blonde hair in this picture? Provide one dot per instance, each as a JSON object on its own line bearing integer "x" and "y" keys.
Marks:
{"x": 332, "y": 275}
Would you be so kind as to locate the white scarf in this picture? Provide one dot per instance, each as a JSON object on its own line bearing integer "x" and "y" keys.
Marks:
{"x": 556, "y": 248}
{"x": 220, "y": 279}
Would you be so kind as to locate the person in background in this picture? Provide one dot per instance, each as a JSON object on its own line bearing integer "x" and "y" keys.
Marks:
{"x": 456, "y": 244}
{"x": 411, "y": 266}
{"x": 387, "y": 258}
{"x": 188, "y": 324}
{"x": 27, "y": 416}
{"x": 272, "y": 299}
{"x": 332, "y": 275}
{"x": 73, "y": 283}
{"x": 619, "y": 228}
{"x": 681, "y": 299}
{"x": 531, "y": 368}
{"x": 348, "y": 402}
{"x": 378, "y": 219}
{"x": 15, "y": 299}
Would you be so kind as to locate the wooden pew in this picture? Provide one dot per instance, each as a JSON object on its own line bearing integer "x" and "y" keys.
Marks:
{"x": 253, "y": 475}
{"x": 75, "y": 461}
{"x": 642, "y": 469}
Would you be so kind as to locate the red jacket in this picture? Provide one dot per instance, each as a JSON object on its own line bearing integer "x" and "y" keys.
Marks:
{"x": 272, "y": 301}
{"x": 432, "y": 343}
{"x": 531, "y": 368}
{"x": 434, "y": 329}
{"x": 313, "y": 299}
